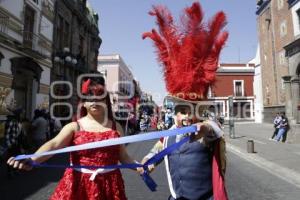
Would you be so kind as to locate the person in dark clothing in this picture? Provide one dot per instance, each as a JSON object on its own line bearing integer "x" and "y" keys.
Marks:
{"x": 13, "y": 133}
{"x": 284, "y": 137}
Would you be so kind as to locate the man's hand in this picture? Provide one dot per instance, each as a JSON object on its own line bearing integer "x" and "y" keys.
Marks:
{"x": 150, "y": 167}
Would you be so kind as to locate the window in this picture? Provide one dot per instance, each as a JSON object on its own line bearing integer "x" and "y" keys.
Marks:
{"x": 282, "y": 59}
{"x": 209, "y": 93}
{"x": 238, "y": 88}
{"x": 282, "y": 84}
{"x": 81, "y": 45}
{"x": 283, "y": 28}
{"x": 36, "y": 1}
{"x": 59, "y": 32}
{"x": 298, "y": 17}
{"x": 66, "y": 34}
{"x": 279, "y": 4}
{"x": 28, "y": 35}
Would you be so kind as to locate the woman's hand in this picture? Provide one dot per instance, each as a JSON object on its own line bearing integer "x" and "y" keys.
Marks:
{"x": 20, "y": 164}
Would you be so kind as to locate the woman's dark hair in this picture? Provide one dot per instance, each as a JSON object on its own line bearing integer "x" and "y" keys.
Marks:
{"x": 96, "y": 87}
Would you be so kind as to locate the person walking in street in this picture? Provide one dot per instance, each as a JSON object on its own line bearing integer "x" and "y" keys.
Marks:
{"x": 94, "y": 125}
{"x": 276, "y": 122}
{"x": 195, "y": 170}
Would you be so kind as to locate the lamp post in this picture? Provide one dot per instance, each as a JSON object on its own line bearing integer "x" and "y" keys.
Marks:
{"x": 63, "y": 60}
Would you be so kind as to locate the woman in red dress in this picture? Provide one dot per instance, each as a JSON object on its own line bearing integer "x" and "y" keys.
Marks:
{"x": 96, "y": 124}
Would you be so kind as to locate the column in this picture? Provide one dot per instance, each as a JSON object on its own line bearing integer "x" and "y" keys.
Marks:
{"x": 288, "y": 96}
{"x": 295, "y": 98}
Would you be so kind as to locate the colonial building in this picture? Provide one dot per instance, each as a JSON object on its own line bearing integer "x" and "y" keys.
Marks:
{"x": 124, "y": 89}
{"x": 76, "y": 44}
{"x": 26, "y": 29}
{"x": 233, "y": 80}
{"x": 275, "y": 31}
{"x": 119, "y": 76}
{"x": 291, "y": 81}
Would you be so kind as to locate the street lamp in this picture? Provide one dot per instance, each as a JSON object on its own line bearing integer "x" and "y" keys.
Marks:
{"x": 63, "y": 60}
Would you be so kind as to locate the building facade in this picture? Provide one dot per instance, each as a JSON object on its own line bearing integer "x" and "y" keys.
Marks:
{"x": 292, "y": 82}
{"x": 26, "y": 30}
{"x": 275, "y": 31}
{"x": 118, "y": 76}
{"x": 76, "y": 45}
{"x": 124, "y": 89}
{"x": 233, "y": 80}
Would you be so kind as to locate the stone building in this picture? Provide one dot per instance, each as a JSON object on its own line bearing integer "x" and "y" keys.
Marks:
{"x": 275, "y": 31}
{"x": 76, "y": 45}
{"x": 26, "y": 29}
{"x": 293, "y": 55}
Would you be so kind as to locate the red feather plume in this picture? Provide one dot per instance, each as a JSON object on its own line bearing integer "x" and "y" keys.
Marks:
{"x": 190, "y": 52}
{"x": 85, "y": 86}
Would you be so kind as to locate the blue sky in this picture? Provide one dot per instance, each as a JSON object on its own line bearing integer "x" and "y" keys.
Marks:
{"x": 122, "y": 22}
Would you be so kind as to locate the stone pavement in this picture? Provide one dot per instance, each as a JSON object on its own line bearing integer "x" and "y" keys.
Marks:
{"x": 280, "y": 159}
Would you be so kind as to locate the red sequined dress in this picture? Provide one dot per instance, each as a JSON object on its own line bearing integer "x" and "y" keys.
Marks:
{"x": 76, "y": 185}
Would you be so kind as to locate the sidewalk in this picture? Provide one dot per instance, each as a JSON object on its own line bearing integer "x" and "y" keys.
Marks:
{"x": 280, "y": 159}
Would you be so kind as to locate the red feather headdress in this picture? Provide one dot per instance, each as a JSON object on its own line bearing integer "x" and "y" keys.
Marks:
{"x": 190, "y": 52}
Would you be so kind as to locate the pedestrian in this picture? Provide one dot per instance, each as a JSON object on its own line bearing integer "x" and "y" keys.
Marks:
{"x": 40, "y": 128}
{"x": 12, "y": 134}
{"x": 54, "y": 125}
{"x": 96, "y": 124}
{"x": 196, "y": 169}
{"x": 283, "y": 127}
{"x": 276, "y": 123}
{"x": 221, "y": 120}
{"x": 169, "y": 121}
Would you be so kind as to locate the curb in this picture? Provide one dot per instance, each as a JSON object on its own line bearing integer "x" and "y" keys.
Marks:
{"x": 281, "y": 172}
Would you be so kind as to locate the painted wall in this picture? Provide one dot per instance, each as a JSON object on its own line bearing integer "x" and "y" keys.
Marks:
{"x": 224, "y": 85}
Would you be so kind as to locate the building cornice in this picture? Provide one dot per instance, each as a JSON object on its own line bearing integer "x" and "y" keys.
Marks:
{"x": 292, "y": 2}
{"x": 45, "y": 62}
{"x": 236, "y": 70}
{"x": 262, "y": 7}
{"x": 292, "y": 48}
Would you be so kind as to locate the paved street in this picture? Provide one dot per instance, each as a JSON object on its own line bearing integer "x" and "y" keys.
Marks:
{"x": 245, "y": 179}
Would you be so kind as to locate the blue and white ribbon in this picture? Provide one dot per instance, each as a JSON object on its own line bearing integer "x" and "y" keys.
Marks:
{"x": 115, "y": 141}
